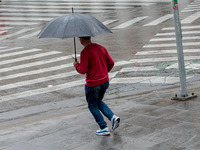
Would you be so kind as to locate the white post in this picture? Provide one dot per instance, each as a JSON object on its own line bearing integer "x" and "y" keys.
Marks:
{"x": 184, "y": 92}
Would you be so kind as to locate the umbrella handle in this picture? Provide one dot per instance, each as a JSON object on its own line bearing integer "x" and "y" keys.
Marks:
{"x": 75, "y": 48}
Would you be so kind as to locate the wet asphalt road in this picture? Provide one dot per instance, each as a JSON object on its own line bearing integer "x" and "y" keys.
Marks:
{"x": 45, "y": 73}
{"x": 38, "y": 73}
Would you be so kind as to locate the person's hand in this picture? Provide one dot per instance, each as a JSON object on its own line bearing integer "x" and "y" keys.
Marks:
{"x": 75, "y": 62}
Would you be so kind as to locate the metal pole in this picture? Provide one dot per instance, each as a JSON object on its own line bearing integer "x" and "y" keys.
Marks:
{"x": 184, "y": 92}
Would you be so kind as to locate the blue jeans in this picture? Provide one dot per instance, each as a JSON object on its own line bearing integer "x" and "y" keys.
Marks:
{"x": 94, "y": 96}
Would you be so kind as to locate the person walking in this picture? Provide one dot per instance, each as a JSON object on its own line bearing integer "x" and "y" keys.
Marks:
{"x": 96, "y": 62}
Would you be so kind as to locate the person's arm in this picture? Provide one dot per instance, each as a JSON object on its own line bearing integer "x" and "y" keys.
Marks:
{"x": 110, "y": 62}
{"x": 82, "y": 67}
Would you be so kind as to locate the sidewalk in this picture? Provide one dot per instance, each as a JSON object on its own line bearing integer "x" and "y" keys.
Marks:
{"x": 150, "y": 120}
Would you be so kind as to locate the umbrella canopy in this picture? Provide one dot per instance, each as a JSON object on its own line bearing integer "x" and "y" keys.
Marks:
{"x": 73, "y": 25}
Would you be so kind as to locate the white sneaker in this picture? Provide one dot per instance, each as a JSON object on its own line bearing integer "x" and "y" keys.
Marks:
{"x": 115, "y": 122}
{"x": 104, "y": 131}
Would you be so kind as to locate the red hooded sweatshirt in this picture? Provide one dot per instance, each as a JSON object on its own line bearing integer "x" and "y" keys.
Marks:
{"x": 96, "y": 62}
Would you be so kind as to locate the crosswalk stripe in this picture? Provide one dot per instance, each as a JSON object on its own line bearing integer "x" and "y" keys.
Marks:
{"x": 38, "y": 63}
{"x": 169, "y": 59}
{"x": 173, "y": 33}
{"x": 188, "y": 10}
{"x": 2, "y": 47}
{"x": 30, "y": 35}
{"x": 159, "y": 20}
{"x": 5, "y": 28}
{"x": 188, "y": 65}
{"x": 107, "y": 22}
{"x": 76, "y": 5}
{"x": 147, "y": 80}
{"x": 28, "y": 57}
{"x": 171, "y": 44}
{"x": 31, "y": 14}
{"x": 132, "y": 69}
{"x": 172, "y": 39}
{"x": 38, "y": 71}
{"x": 3, "y": 32}
{"x": 17, "y": 23}
{"x": 5, "y": 49}
{"x": 52, "y": 10}
{"x": 42, "y": 90}
{"x": 107, "y": 1}
{"x": 43, "y": 70}
{"x": 19, "y": 53}
{"x": 46, "y": 89}
{"x": 196, "y": 5}
{"x": 26, "y": 18}
{"x": 16, "y": 33}
{"x": 56, "y": 8}
{"x": 130, "y": 80}
{"x": 38, "y": 80}
{"x": 130, "y": 22}
{"x": 122, "y": 63}
{"x": 183, "y": 28}
{"x": 191, "y": 18}
{"x": 51, "y": 3}
{"x": 155, "y": 52}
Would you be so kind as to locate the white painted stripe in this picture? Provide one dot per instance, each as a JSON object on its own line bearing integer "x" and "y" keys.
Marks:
{"x": 17, "y": 23}
{"x": 45, "y": 79}
{"x": 16, "y": 33}
{"x": 130, "y": 80}
{"x": 43, "y": 62}
{"x": 42, "y": 90}
{"x": 102, "y": 1}
{"x": 188, "y": 10}
{"x": 31, "y": 14}
{"x": 20, "y": 52}
{"x": 51, "y": 10}
{"x": 132, "y": 69}
{"x": 192, "y": 6}
{"x": 46, "y": 90}
{"x": 155, "y": 52}
{"x": 113, "y": 74}
{"x": 38, "y": 80}
{"x": 173, "y": 33}
{"x": 57, "y": 8}
{"x": 130, "y": 22}
{"x": 76, "y": 5}
{"x": 122, "y": 63}
{"x": 168, "y": 59}
{"x": 172, "y": 39}
{"x": 29, "y": 35}
{"x": 188, "y": 65}
{"x": 34, "y": 72}
{"x": 10, "y": 49}
{"x": 3, "y": 32}
{"x": 2, "y": 47}
{"x": 26, "y": 18}
{"x": 191, "y": 18}
{"x": 49, "y": 4}
{"x": 159, "y": 20}
{"x": 5, "y": 28}
{"x": 171, "y": 44}
{"x": 182, "y": 27}
{"x": 151, "y": 80}
{"x": 109, "y": 21}
{"x": 28, "y": 57}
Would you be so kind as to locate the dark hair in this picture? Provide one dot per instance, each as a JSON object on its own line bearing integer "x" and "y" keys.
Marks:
{"x": 86, "y": 38}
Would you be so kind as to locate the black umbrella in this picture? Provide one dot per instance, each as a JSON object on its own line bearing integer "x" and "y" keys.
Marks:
{"x": 73, "y": 25}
